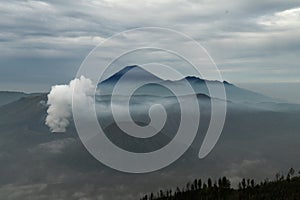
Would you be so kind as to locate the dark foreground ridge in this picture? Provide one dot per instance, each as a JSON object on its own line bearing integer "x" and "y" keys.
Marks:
{"x": 282, "y": 188}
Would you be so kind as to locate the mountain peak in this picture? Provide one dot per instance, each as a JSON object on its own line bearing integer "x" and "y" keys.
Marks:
{"x": 140, "y": 73}
{"x": 193, "y": 78}
{"x": 227, "y": 83}
{"x": 127, "y": 68}
{"x": 137, "y": 73}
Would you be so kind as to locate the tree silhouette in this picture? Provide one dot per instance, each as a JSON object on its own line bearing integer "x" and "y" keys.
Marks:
{"x": 279, "y": 189}
{"x": 209, "y": 183}
{"x": 200, "y": 184}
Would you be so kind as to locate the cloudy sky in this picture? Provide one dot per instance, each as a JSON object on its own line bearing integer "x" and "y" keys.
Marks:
{"x": 254, "y": 43}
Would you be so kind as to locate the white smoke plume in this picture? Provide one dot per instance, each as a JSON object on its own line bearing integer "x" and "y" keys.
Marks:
{"x": 60, "y": 102}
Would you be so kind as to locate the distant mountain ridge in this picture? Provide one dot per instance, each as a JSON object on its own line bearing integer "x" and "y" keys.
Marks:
{"x": 115, "y": 77}
{"x": 199, "y": 85}
{"x": 253, "y": 138}
{"x": 7, "y": 97}
{"x": 233, "y": 93}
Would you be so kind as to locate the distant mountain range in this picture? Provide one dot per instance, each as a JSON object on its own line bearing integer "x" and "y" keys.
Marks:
{"x": 260, "y": 138}
{"x": 200, "y": 86}
{"x": 233, "y": 93}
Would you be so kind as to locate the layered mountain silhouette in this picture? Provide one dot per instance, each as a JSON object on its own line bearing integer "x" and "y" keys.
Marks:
{"x": 200, "y": 86}
{"x": 260, "y": 138}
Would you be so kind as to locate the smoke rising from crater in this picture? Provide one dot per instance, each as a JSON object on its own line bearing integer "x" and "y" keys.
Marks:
{"x": 60, "y": 102}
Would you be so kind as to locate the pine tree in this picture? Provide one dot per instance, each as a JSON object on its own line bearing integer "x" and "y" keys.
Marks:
{"x": 209, "y": 183}
{"x": 200, "y": 184}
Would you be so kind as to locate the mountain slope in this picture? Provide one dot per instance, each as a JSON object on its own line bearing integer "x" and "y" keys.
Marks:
{"x": 8, "y": 97}
{"x": 257, "y": 141}
{"x": 200, "y": 86}
{"x": 30, "y": 154}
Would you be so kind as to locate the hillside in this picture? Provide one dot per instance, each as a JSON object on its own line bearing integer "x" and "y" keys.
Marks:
{"x": 7, "y": 97}
{"x": 283, "y": 187}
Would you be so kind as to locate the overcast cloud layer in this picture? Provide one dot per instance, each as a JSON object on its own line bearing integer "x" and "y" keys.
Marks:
{"x": 43, "y": 43}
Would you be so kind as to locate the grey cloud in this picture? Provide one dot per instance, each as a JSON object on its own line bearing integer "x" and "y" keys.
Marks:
{"x": 68, "y": 30}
